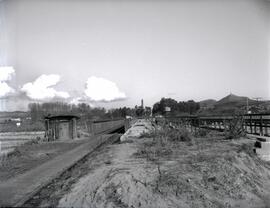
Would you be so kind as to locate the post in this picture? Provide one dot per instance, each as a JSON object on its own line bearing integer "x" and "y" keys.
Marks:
{"x": 255, "y": 127}
{"x": 261, "y": 126}
{"x": 245, "y": 123}
{"x": 74, "y": 128}
{"x": 266, "y": 129}
{"x": 91, "y": 128}
{"x": 250, "y": 124}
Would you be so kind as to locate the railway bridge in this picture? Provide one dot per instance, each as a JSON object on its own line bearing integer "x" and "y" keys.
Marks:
{"x": 254, "y": 124}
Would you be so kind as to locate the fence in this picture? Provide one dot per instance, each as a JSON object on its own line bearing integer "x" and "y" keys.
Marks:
{"x": 258, "y": 124}
{"x": 99, "y": 127}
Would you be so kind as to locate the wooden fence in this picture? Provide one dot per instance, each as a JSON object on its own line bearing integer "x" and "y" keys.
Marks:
{"x": 258, "y": 124}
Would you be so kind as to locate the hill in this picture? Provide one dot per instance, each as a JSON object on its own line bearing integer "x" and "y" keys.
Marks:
{"x": 209, "y": 103}
{"x": 233, "y": 100}
{"x": 232, "y": 104}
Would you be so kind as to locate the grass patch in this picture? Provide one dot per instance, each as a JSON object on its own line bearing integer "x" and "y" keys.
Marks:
{"x": 202, "y": 132}
{"x": 162, "y": 141}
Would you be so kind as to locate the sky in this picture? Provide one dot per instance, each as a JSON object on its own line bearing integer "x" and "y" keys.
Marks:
{"x": 115, "y": 53}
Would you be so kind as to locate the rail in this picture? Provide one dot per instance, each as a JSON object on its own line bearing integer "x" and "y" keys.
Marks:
{"x": 256, "y": 124}
{"x": 104, "y": 126}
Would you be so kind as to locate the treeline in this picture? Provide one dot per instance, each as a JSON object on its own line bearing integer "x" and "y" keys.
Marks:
{"x": 39, "y": 110}
{"x": 176, "y": 108}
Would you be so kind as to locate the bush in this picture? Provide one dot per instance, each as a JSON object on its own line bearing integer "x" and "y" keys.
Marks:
{"x": 163, "y": 141}
{"x": 234, "y": 128}
{"x": 247, "y": 148}
{"x": 180, "y": 134}
{"x": 149, "y": 134}
{"x": 154, "y": 149}
{"x": 201, "y": 132}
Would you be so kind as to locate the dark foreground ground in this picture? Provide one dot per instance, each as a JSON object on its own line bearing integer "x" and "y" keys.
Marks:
{"x": 207, "y": 171}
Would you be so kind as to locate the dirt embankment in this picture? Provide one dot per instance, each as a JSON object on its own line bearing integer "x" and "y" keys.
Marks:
{"x": 206, "y": 172}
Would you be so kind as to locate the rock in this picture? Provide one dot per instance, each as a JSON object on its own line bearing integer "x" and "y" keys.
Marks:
{"x": 211, "y": 179}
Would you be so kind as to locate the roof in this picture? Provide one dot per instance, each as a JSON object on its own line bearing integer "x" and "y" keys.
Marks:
{"x": 61, "y": 117}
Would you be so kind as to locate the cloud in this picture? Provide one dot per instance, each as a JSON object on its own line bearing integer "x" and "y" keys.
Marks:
{"x": 5, "y": 89}
{"x": 102, "y": 90}
{"x": 41, "y": 88}
{"x": 6, "y": 73}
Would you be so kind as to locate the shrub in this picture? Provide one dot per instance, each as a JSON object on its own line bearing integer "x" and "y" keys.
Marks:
{"x": 234, "y": 128}
{"x": 162, "y": 142}
{"x": 180, "y": 134}
{"x": 152, "y": 150}
{"x": 247, "y": 148}
{"x": 149, "y": 134}
{"x": 201, "y": 132}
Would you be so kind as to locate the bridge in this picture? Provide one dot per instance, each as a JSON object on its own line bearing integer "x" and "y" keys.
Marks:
{"x": 108, "y": 126}
{"x": 257, "y": 126}
{"x": 254, "y": 124}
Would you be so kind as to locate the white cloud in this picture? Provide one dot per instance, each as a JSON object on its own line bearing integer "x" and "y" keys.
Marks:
{"x": 5, "y": 89}
{"x": 100, "y": 89}
{"x": 41, "y": 88}
{"x": 6, "y": 73}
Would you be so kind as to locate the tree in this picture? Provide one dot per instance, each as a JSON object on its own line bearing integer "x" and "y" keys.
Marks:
{"x": 177, "y": 108}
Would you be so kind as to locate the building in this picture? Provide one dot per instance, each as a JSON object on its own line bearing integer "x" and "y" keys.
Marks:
{"x": 61, "y": 127}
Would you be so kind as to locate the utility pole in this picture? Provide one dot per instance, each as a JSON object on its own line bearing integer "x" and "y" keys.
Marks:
{"x": 247, "y": 105}
{"x": 257, "y": 102}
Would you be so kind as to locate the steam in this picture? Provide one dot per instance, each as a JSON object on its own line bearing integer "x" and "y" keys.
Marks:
{"x": 6, "y": 73}
{"x": 42, "y": 88}
{"x": 100, "y": 89}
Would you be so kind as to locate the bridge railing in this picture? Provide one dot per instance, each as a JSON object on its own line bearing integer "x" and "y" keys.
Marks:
{"x": 258, "y": 124}
{"x": 105, "y": 126}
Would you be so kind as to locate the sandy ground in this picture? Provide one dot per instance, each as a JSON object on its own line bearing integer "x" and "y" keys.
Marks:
{"x": 211, "y": 172}
{"x": 120, "y": 182}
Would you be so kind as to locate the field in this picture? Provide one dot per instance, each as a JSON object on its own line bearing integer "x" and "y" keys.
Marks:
{"x": 31, "y": 154}
{"x": 10, "y": 140}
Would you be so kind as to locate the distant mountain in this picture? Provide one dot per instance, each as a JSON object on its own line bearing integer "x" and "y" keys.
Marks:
{"x": 232, "y": 100}
{"x": 232, "y": 104}
{"x": 209, "y": 103}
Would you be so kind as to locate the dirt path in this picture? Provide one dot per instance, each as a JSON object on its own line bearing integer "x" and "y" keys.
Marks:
{"x": 120, "y": 182}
